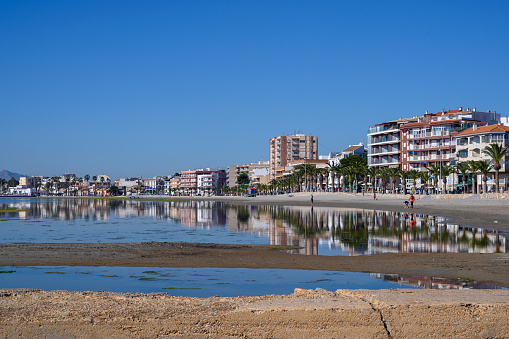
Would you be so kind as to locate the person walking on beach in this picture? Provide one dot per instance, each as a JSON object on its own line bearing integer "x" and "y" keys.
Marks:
{"x": 311, "y": 199}
{"x": 412, "y": 199}
{"x": 374, "y": 196}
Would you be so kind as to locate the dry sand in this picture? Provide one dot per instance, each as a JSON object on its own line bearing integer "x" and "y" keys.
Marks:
{"x": 304, "y": 314}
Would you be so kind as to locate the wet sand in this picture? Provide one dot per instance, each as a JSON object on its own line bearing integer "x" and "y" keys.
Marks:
{"x": 305, "y": 314}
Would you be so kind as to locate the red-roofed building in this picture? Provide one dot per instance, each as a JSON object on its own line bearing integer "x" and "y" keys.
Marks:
{"x": 471, "y": 142}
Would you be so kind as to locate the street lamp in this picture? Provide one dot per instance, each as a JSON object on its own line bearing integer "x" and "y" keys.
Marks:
{"x": 305, "y": 175}
{"x": 440, "y": 159}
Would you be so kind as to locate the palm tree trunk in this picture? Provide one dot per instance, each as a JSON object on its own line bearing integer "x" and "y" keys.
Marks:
{"x": 496, "y": 181}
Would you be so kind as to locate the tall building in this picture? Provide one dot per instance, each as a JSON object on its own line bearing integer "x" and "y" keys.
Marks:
{"x": 284, "y": 149}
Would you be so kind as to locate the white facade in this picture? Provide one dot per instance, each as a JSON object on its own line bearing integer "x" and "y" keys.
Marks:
{"x": 208, "y": 180}
{"x": 129, "y": 182}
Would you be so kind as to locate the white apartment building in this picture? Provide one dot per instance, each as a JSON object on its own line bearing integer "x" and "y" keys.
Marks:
{"x": 208, "y": 181}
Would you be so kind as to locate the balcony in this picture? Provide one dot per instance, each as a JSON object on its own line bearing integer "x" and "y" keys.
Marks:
{"x": 379, "y": 129}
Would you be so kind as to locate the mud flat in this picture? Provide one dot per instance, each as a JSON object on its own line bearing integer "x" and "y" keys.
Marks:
{"x": 303, "y": 314}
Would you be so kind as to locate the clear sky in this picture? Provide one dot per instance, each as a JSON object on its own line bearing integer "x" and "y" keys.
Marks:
{"x": 144, "y": 88}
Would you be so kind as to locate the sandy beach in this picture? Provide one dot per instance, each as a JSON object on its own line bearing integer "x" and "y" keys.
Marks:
{"x": 304, "y": 314}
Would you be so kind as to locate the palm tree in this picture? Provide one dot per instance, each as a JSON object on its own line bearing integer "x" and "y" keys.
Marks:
{"x": 446, "y": 170}
{"x": 414, "y": 175}
{"x": 484, "y": 167}
{"x": 87, "y": 177}
{"x": 473, "y": 167}
{"x": 382, "y": 174}
{"x": 497, "y": 154}
{"x": 372, "y": 173}
{"x": 434, "y": 170}
{"x": 462, "y": 168}
{"x": 425, "y": 179}
{"x": 393, "y": 173}
{"x": 404, "y": 175}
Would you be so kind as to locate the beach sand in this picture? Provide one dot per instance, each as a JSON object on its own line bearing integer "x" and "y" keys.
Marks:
{"x": 304, "y": 314}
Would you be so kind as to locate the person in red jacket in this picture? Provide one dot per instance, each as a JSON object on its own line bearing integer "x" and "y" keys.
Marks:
{"x": 412, "y": 199}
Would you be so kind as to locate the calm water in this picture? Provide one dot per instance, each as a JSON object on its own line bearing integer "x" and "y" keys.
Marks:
{"x": 314, "y": 231}
{"x": 323, "y": 231}
{"x": 195, "y": 282}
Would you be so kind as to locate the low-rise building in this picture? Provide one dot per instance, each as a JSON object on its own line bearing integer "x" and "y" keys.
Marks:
{"x": 335, "y": 158}
{"x": 255, "y": 171}
{"x": 189, "y": 179}
{"x": 471, "y": 143}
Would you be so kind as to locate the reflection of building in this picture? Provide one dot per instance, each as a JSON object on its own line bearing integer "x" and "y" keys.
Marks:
{"x": 349, "y": 231}
{"x": 434, "y": 282}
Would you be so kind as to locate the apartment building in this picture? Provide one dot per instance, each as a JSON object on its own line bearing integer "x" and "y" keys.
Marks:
{"x": 471, "y": 142}
{"x": 384, "y": 143}
{"x": 189, "y": 179}
{"x": 283, "y": 149}
{"x": 428, "y": 141}
{"x": 255, "y": 171}
{"x": 30, "y": 182}
{"x": 415, "y": 143}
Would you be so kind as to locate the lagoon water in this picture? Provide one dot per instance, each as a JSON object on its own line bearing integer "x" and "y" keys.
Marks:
{"x": 315, "y": 231}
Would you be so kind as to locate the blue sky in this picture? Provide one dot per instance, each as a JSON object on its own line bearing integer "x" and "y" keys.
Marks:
{"x": 144, "y": 88}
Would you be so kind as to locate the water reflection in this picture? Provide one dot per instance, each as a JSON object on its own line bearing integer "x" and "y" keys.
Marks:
{"x": 435, "y": 283}
{"x": 312, "y": 231}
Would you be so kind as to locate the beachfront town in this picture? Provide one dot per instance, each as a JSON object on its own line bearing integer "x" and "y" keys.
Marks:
{"x": 454, "y": 151}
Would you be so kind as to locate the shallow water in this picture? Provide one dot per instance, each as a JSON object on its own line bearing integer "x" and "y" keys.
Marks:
{"x": 323, "y": 231}
{"x": 207, "y": 282}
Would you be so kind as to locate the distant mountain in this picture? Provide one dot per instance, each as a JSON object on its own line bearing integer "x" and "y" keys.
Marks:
{"x": 7, "y": 175}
